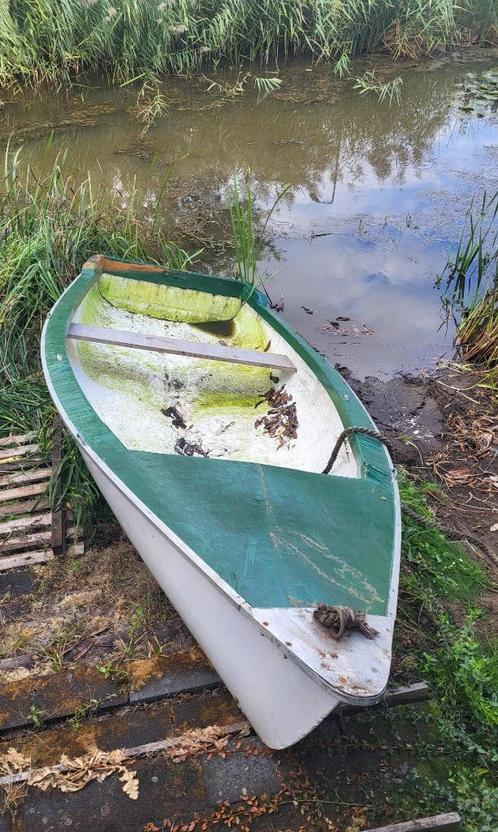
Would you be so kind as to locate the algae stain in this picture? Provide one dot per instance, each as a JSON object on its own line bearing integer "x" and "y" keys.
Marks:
{"x": 228, "y": 402}
{"x": 169, "y": 303}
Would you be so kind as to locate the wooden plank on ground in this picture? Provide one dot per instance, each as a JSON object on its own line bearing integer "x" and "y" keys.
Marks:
{"x": 16, "y": 440}
{"x": 167, "y": 745}
{"x": 14, "y": 544}
{"x": 438, "y": 823}
{"x": 22, "y": 491}
{"x": 18, "y": 452}
{"x": 58, "y": 540}
{"x": 25, "y": 463}
{"x": 157, "y": 343}
{"x": 26, "y": 507}
{"x": 33, "y": 521}
{"x": 25, "y": 476}
{"x": 37, "y": 539}
{"x": 26, "y": 559}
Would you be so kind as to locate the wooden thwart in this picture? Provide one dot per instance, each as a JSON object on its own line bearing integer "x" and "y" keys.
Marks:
{"x": 438, "y": 823}
{"x": 157, "y": 343}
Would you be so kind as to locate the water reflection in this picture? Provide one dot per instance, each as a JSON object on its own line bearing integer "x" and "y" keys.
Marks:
{"x": 378, "y": 195}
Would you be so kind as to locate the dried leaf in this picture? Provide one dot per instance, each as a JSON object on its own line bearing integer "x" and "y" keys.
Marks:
{"x": 13, "y": 762}
{"x": 130, "y": 783}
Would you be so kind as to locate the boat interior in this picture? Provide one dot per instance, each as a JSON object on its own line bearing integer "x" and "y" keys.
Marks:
{"x": 182, "y": 403}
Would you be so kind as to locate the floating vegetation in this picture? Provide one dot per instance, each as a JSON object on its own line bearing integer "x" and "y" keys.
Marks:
{"x": 38, "y": 43}
{"x": 151, "y": 103}
{"x": 369, "y": 84}
{"x": 479, "y": 91}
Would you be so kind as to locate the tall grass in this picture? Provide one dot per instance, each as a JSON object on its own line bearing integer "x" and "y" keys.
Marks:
{"x": 472, "y": 284}
{"x": 48, "y": 228}
{"x": 57, "y": 39}
{"x": 247, "y": 233}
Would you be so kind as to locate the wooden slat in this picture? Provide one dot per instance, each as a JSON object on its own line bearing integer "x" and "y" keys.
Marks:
{"x": 14, "y": 544}
{"x": 58, "y": 514}
{"x": 26, "y": 476}
{"x": 16, "y": 440}
{"x": 26, "y": 559}
{"x": 32, "y": 521}
{"x": 438, "y": 823}
{"x": 26, "y": 507}
{"x": 166, "y": 746}
{"x": 157, "y": 343}
{"x": 22, "y": 491}
{"x": 18, "y": 452}
{"x": 26, "y": 463}
{"x": 33, "y": 558}
{"x": 38, "y": 539}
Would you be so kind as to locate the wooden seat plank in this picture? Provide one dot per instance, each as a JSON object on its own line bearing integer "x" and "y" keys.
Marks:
{"x": 157, "y": 343}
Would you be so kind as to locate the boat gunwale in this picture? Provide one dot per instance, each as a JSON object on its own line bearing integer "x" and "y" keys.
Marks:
{"x": 91, "y": 270}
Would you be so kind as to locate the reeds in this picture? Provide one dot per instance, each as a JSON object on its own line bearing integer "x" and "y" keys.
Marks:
{"x": 472, "y": 286}
{"x": 54, "y": 40}
{"x": 48, "y": 228}
{"x": 247, "y": 238}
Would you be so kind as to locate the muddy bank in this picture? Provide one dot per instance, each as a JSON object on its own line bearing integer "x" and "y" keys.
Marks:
{"x": 445, "y": 426}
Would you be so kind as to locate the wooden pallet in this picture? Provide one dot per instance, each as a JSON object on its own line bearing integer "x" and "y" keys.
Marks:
{"x": 29, "y": 532}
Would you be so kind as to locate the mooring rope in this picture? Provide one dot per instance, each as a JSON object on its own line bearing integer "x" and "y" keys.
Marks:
{"x": 346, "y": 433}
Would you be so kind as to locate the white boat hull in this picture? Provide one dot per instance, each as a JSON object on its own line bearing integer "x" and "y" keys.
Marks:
{"x": 280, "y": 700}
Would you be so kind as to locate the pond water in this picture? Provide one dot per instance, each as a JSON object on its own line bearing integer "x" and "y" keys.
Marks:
{"x": 378, "y": 194}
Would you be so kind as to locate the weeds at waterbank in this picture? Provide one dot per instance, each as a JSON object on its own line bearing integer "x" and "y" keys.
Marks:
{"x": 49, "y": 41}
{"x": 439, "y": 579}
{"x": 471, "y": 288}
{"x": 48, "y": 228}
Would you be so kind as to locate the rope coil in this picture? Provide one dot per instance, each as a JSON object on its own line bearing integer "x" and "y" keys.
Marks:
{"x": 340, "y": 620}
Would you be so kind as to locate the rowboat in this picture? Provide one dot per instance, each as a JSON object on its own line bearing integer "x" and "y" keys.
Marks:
{"x": 207, "y": 424}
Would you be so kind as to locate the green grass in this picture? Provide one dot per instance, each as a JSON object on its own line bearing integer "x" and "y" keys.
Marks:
{"x": 55, "y": 40}
{"x": 440, "y": 585}
{"x": 48, "y": 228}
{"x": 436, "y": 568}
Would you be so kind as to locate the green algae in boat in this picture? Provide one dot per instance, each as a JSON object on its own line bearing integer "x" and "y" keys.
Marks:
{"x": 214, "y": 470}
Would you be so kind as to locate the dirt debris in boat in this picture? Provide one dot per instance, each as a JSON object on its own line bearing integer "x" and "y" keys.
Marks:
{"x": 185, "y": 448}
{"x": 173, "y": 413}
{"x": 281, "y": 421}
